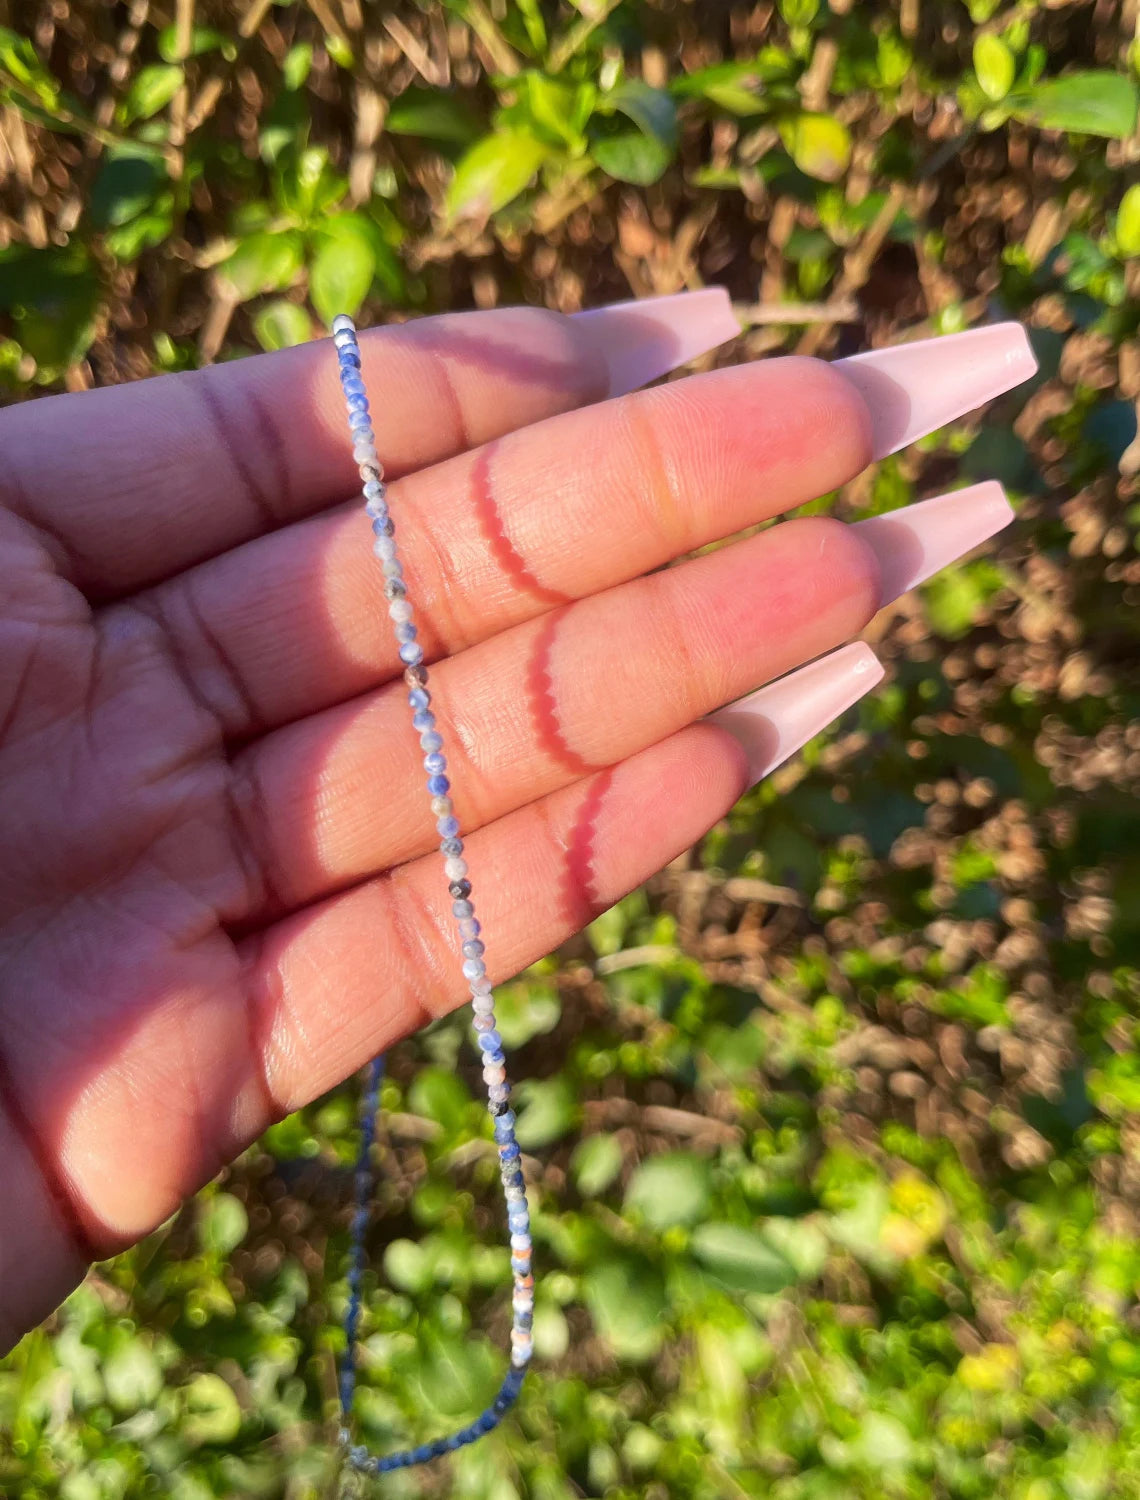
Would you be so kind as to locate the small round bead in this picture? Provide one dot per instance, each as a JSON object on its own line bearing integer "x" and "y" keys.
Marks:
{"x": 442, "y": 807}
{"x": 373, "y": 470}
{"x": 383, "y": 526}
{"x": 474, "y": 949}
{"x": 494, "y": 1106}
{"x": 412, "y": 654}
{"x": 473, "y": 968}
{"x": 520, "y": 1242}
{"x": 423, "y": 719}
{"x": 435, "y": 764}
{"x": 492, "y": 1074}
{"x": 394, "y": 589}
{"x": 401, "y": 612}
{"x": 363, "y": 452}
{"x": 454, "y": 867}
{"x": 483, "y": 1023}
{"x": 462, "y": 908}
{"x": 431, "y": 739}
{"x": 438, "y": 786}
{"x": 419, "y": 697}
{"x": 491, "y": 1042}
{"x": 452, "y": 846}
{"x": 481, "y": 986}
{"x": 352, "y": 385}
{"x": 374, "y": 491}
{"x": 469, "y": 928}
{"x": 459, "y": 890}
{"x": 415, "y": 676}
{"x": 509, "y": 1150}
{"x": 483, "y": 1005}
{"x": 348, "y": 358}
{"x": 405, "y": 631}
{"x": 359, "y": 422}
{"x": 342, "y": 323}
{"x": 384, "y": 547}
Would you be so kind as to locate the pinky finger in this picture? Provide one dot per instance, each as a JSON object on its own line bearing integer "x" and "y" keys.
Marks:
{"x": 340, "y": 982}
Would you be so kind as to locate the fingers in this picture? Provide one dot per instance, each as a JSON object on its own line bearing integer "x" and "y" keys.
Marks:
{"x": 295, "y": 621}
{"x": 134, "y": 482}
{"x": 338, "y": 983}
{"x": 340, "y": 795}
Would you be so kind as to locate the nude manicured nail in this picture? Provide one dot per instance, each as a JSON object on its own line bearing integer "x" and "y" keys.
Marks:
{"x": 646, "y": 338}
{"x": 913, "y": 389}
{"x": 915, "y": 541}
{"x": 775, "y": 722}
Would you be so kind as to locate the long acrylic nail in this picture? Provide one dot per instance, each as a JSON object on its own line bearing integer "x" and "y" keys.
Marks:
{"x": 775, "y": 722}
{"x": 646, "y": 338}
{"x": 913, "y": 389}
{"x": 915, "y": 541}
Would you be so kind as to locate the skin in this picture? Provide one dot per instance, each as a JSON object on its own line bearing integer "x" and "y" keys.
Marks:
{"x": 220, "y": 891}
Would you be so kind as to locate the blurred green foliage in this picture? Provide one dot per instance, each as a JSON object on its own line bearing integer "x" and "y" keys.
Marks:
{"x": 834, "y": 1126}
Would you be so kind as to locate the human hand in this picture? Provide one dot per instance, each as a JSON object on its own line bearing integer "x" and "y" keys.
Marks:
{"x": 219, "y": 894}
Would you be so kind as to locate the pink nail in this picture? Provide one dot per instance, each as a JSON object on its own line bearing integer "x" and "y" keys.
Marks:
{"x": 649, "y": 337}
{"x": 775, "y": 722}
{"x": 913, "y": 389}
{"x": 915, "y": 541}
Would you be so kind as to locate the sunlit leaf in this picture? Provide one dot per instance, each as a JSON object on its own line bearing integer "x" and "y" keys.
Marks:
{"x": 597, "y": 1161}
{"x": 493, "y": 172}
{"x": 820, "y": 145}
{"x": 223, "y": 1223}
{"x": 1093, "y": 103}
{"x": 280, "y": 324}
{"x": 151, "y": 89}
{"x": 994, "y": 64}
{"x": 343, "y": 266}
{"x": 671, "y": 1189}
{"x": 210, "y": 1411}
{"x": 626, "y": 1298}
{"x": 264, "y": 262}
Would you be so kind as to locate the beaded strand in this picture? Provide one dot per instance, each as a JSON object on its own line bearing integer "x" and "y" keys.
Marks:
{"x": 487, "y": 1037}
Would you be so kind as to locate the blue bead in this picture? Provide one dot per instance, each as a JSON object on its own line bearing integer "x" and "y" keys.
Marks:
{"x": 510, "y": 1152}
{"x": 438, "y": 786}
{"x": 352, "y": 385}
{"x": 357, "y": 403}
{"x": 419, "y": 698}
{"x": 421, "y": 1454}
{"x": 348, "y": 357}
{"x": 455, "y": 1440}
{"x": 458, "y": 908}
{"x": 405, "y": 631}
{"x": 435, "y": 764}
{"x": 524, "y": 1322}
{"x": 486, "y": 1422}
{"x": 520, "y": 1264}
{"x": 473, "y": 968}
{"x": 357, "y": 420}
{"x": 412, "y": 654}
{"x": 503, "y": 1134}
{"x": 423, "y": 720}
{"x": 473, "y": 948}
{"x": 431, "y": 740}
{"x": 490, "y": 1041}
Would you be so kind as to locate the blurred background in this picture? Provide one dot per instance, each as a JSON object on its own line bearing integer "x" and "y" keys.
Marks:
{"x": 835, "y": 1126}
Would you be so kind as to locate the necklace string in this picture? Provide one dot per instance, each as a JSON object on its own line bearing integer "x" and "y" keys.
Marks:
{"x": 487, "y": 1037}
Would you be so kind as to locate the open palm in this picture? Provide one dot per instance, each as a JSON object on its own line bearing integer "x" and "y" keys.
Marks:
{"x": 218, "y": 895}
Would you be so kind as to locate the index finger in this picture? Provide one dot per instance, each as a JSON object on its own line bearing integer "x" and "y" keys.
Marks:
{"x": 130, "y": 484}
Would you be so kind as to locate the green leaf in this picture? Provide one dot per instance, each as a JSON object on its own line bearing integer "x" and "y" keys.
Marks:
{"x": 671, "y": 1189}
{"x": 553, "y": 109}
{"x": 151, "y": 89}
{"x": 211, "y": 1413}
{"x": 434, "y": 115}
{"x": 132, "y": 1375}
{"x": 495, "y": 170}
{"x": 22, "y": 61}
{"x": 597, "y": 1160}
{"x": 626, "y": 1299}
{"x": 54, "y": 297}
{"x": 818, "y": 144}
{"x": 340, "y": 276}
{"x": 438, "y": 1095}
{"x": 1093, "y": 103}
{"x": 263, "y": 262}
{"x": 731, "y": 86}
{"x": 741, "y": 1259}
{"x": 526, "y": 1009}
{"x": 1128, "y": 222}
{"x": 547, "y": 1110}
{"x": 128, "y": 180}
{"x": 281, "y": 324}
{"x": 995, "y": 66}
{"x": 642, "y": 155}
{"x": 407, "y": 1266}
{"x": 203, "y": 39}
{"x": 295, "y": 68}
{"x": 223, "y": 1223}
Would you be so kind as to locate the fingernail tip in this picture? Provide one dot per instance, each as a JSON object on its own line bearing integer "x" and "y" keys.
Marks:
{"x": 940, "y": 530}
{"x": 644, "y": 338}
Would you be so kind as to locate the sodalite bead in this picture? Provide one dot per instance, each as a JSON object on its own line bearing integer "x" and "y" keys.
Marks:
{"x": 486, "y": 1033}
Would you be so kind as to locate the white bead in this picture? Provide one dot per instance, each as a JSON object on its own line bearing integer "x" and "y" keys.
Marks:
{"x": 483, "y": 1005}
{"x": 455, "y": 868}
{"x": 342, "y": 323}
{"x": 364, "y": 453}
{"x": 400, "y": 611}
{"x": 441, "y": 807}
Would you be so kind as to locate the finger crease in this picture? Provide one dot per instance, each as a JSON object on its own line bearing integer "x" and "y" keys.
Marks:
{"x": 229, "y": 435}
{"x": 420, "y": 940}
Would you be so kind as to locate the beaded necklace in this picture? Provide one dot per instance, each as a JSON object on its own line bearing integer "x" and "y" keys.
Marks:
{"x": 489, "y": 1041}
